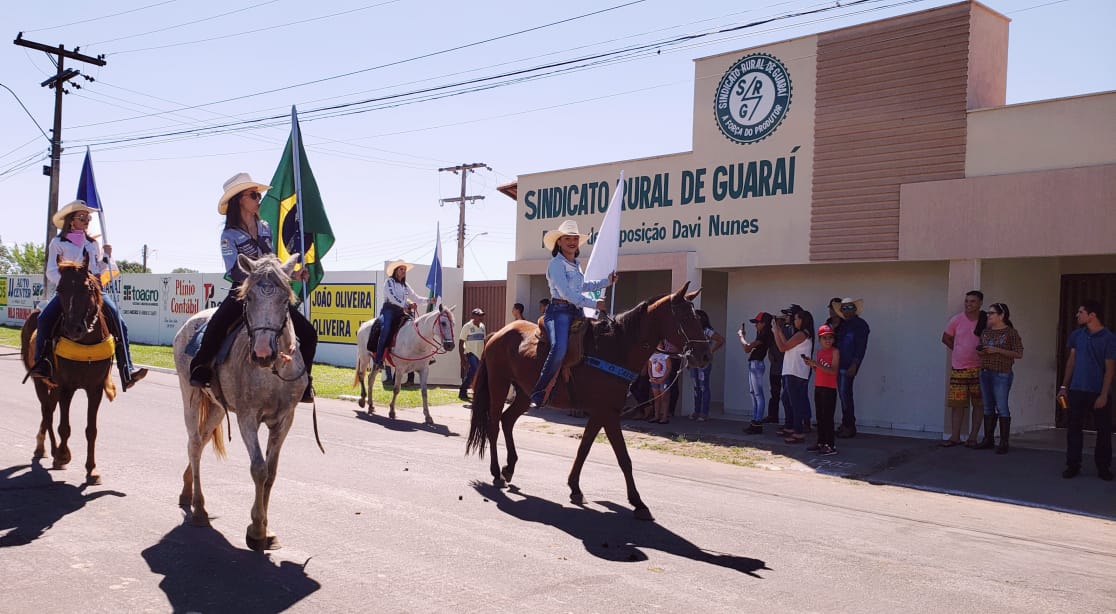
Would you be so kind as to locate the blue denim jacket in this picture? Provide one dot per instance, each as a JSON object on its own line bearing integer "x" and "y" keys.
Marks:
{"x": 567, "y": 282}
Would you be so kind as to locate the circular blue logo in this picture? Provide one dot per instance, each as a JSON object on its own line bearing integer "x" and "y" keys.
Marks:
{"x": 752, "y": 98}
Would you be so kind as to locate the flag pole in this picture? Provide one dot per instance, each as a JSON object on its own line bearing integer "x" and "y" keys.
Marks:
{"x": 110, "y": 261}
{"x": 296, "y": 149}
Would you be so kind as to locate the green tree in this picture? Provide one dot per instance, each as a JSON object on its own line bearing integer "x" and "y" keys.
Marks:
{"x": 26, "y": 259}
{"x": 183, "y": 269}
{"x": 127, "y": 266}
{"x": 7, "y": 267}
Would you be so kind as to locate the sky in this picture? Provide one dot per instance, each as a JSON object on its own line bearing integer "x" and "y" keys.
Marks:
{"x": 194, "y": 92}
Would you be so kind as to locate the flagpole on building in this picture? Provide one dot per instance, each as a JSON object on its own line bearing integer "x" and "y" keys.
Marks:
{"x": 296, "y": 148}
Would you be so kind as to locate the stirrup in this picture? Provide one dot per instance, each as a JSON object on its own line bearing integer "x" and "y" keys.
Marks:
{"x": 133, "y": 377}
{"x": 42, "y": 369}
{"x": 200, "y": 376}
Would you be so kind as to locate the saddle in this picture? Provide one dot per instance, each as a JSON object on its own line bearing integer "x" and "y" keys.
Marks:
{"x": 575, "y": 347}
{"x": 377, "y": 330}
{"x": 194, "y": 344}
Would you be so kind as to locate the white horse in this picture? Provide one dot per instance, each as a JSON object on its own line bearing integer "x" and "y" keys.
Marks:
{"x": 261, "y": 381}
{"x": 418, "y": 341}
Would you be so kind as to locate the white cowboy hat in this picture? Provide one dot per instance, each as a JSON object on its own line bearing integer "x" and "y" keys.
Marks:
{"x": 568, "y": 227}
{"x": 235, "y": 185}
{"x": 859, "y": 302}
{"x": 59, "y": 218}
{"x": 395, "y": 264}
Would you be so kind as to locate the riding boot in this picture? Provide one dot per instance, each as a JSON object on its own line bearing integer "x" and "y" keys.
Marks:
{"x": 43, "y": 369}
{"x": 1005, "y": 430}
{"x": 989, "y": 440}
{"x": 308, "y": 394}
{"x": 200, "y": 376}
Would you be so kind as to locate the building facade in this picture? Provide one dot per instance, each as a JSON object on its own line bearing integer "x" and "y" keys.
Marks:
{"x": 877, "y": 161}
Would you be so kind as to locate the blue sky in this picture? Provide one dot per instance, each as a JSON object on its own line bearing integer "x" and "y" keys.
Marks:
{"x": 175, "y": 65}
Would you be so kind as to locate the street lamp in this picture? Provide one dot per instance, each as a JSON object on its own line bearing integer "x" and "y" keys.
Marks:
{"x": 474, "y": 238}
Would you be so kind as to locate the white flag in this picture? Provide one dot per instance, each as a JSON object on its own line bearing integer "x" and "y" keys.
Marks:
{"x": 606, "y": 247}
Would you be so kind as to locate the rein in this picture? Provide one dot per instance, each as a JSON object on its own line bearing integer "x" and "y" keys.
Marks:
{"x": 437, "y": 346}
{"x": 278, "y": 330}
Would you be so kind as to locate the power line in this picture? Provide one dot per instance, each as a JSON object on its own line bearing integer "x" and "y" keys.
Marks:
{"x": 27, "y": 112}
{"x": 74, "y": 23}
{"x": 187, "y": 23}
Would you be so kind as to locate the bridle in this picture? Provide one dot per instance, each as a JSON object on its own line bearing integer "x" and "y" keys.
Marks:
{"x": 687, "y": 341}
{"x": 443, "y": 317}
{"x": 92, "y": 314}
{"x": 269, "y": 289}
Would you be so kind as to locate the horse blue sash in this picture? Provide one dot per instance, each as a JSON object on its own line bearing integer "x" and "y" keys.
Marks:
{"x": 616, "y": 370}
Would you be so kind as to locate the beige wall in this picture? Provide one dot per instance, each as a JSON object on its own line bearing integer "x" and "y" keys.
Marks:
{"x": 1050, "y": 134}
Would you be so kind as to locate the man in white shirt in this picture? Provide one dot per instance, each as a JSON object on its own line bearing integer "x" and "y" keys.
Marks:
{"x": 469, "y": 349}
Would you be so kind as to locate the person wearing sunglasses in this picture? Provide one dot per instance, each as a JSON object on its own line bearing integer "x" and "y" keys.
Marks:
{"x": 1000, "y": 346}
{"x": 245, "y": 233}
{"x": 75, "y": 244}
{"x": 852, "y": 343}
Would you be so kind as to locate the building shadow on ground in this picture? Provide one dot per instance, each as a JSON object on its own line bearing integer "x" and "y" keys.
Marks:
{"x": 403, "y": 426}
{"x": 613, "y": 535}
{"x": 31, "y": 502}
{"x": 203, "y": 572}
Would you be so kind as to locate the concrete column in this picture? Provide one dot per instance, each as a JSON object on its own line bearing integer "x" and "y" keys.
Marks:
{"x": 964, "y": 275}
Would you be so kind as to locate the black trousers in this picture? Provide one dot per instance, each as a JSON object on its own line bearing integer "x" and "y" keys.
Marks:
{"x": 227, "y": 313}
{"x": 775, "y": 378}
{"x": 1081, "y": 403}
{"x": 825, "y": 403}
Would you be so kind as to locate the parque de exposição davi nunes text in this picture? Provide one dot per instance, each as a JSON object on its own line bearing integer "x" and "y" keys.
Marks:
{"x": 753, "y": 179}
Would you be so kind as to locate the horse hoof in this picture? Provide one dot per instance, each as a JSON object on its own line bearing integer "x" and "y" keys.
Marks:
{"x": 507, "y": 473}
{"x": 93, "y": 479}
{"x": 39, "y": 453}
{"x": 360, "y": 403}
{"x": 577, "y": 498}
{"x": 499, "y": 483}
{"x": 270, "y": 542}
{"x": 199, "y": 520}
{"x": 184, "y": 501}
{"x": 429, "y": 421}
{"x": 642, "y": 513}
{"x": 391, "y": 414}
{"x": 58, "y": 465}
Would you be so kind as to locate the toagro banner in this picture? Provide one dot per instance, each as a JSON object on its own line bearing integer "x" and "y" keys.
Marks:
{"x": 338, "y": 309}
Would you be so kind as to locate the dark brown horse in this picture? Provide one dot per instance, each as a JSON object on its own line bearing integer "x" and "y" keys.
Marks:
{"x": 511, "y": 359}
{"x": 84, "y": 336}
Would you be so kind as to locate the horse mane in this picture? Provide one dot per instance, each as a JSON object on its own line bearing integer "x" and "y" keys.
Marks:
{"x": 611, "y": 336}
{"x": 265, "y": 266}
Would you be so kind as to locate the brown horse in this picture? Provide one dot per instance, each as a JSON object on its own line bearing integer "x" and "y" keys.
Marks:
{"x": 85, "y": 338}
{"x": 511, "y": 359}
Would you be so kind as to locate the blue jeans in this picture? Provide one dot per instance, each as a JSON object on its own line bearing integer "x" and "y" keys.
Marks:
{"x": 472, "y": 363}
{"x": 845, "y": 393}
{"x": 702, "y": 390}
{"x": 755, "y": 386}
{"x": 994, "y": 389}
{"x": 788, "y": 415}
{"x": 388, "y": 314}
{"x": 800, "y": 410}
{"x": 48, "y": 317}
{"x": 557, "y": 321}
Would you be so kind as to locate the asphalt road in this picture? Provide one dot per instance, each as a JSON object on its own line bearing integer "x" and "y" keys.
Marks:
{"x": 394, "y": 518}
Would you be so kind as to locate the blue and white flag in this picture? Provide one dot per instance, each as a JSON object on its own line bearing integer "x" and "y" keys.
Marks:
{"x": 606, "y": 247}
{"x": 87, "y": 185}
{"x": 434, "y": 277}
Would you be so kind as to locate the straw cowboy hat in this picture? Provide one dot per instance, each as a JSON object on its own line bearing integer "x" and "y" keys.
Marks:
{"x": 235, "y": 185}
{"x": 858, "y": 302}
{"x": 568, "y": 227}
{"x": 395, "y": 264}
{"x": 59, "y": 218}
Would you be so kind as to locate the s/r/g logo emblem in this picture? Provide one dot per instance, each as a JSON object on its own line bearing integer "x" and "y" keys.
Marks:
{"x": 752, "y": 98}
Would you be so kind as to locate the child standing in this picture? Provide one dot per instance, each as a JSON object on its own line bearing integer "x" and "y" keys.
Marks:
{"x": 825, "y": 390}
{"x": 658, "y": 370}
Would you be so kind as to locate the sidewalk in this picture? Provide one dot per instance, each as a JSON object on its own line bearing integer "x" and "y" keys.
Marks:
{"x": 1030, "y": 474}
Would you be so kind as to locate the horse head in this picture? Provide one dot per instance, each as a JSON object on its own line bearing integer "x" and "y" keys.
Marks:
{"x": 445, "y": 328}
{"x": 79, "y": 295}
{"x": 679, "y": 324}
{"x": 266, "y": 295}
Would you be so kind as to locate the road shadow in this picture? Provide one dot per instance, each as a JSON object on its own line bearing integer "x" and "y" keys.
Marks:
{"x": 203, "y": 572}
{"x": 32, "y": 502}
{"x": 403, "y": 426}
{"x": 612, "y": 535}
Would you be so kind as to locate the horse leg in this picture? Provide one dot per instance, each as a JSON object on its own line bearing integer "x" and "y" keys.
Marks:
{"x": 423, "y": 373}
{"x": 46, "y": 425}
{"x": 574, "y": 481}
{"x": 62, "y": 453}
{"x": 616, "y": 438}
{"x": 363, "y": 392}
{"x": 507, "y": 421}
{"x": 394, "y": 393}
{"x": 92, "y": 476}
{"x": 256, "y": 536}
{"x": 199, "y": 436}
{"x": 372, "y": 372}
{"x": 275, "y": 439}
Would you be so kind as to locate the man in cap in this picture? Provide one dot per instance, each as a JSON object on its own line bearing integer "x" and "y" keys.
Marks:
{"x": 469, "y": 349}
{"x": 852, "y": 343}
{"x": 785, "y": 320}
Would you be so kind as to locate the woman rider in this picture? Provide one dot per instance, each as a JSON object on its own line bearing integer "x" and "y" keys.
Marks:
{"x": 567, "y": 283}
{"x": 245, "y": 233}
{"x": 398, "y": 296}
{"x": 73, "y": 243}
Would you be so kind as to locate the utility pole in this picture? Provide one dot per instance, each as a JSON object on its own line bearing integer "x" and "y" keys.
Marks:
{"x": 57, "y": 81}
{"x": 144, "y": 257}
{"x": 465, "y": 169}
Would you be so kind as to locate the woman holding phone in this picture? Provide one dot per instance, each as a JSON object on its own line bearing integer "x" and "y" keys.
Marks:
{"x": 796, "y": 370}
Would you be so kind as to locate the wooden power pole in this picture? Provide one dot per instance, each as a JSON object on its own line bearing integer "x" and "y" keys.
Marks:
{"x": 57, "y": 81}
{"x": 465, "y": 169}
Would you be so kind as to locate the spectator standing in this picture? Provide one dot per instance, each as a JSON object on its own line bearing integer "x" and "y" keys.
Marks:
{"x": 658, "y": 372}
{"x": 825, "y": 366}
{"x": 757, "y": 352}
{"x": 851, "y": 337}
{"x": 834, "y": 320}
{"x": 785, "y": 321}
{"x": 962, "y": 335}
{"x": 796, "y": 371}
{"x": 775, "y": 379}
{"x": 1087, "y": 386}
{"x": 469, "y": 350}
{"x": 1000, "y": 346}
{"x": 702, "y": 389}
{"x": 517, "y": 311}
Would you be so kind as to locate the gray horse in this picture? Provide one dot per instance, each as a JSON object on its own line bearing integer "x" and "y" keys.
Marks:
{"x": 261, "y": 382}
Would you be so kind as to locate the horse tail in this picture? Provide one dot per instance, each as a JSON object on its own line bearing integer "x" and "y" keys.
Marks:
{"x": 358, "y": 374}
{"x": 478, "y": 426}
{"x": 204, "y": 408}
{"x": 27, "y": 339}
{"x": 110, "y": 386}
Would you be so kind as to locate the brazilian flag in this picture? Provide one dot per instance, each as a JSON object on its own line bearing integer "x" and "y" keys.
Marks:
{"x": 280, "y": 209}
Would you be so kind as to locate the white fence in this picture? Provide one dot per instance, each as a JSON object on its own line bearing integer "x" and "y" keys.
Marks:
{"x": 156, "y": 306}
